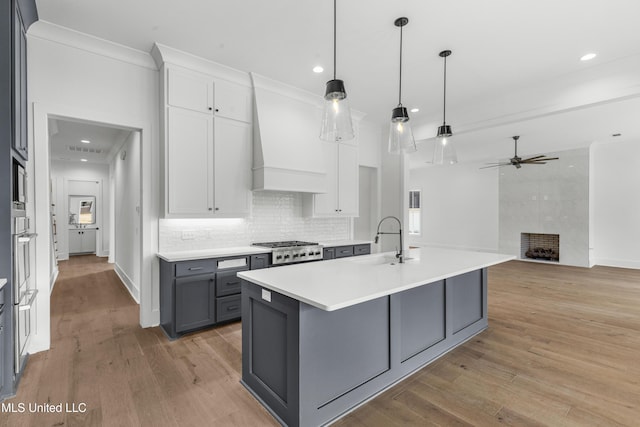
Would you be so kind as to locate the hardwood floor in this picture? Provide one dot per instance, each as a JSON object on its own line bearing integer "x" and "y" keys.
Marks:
{"x": 562, "y": 349}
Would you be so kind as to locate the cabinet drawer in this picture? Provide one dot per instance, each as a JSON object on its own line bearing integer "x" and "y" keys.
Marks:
{"x": 227, "y": 283}
{"x": 228, "y": 308}
{"x": 362, "y": 249}
{"x": 344, "y": 251}
{"x": 329, "y": 253}
{"x": 200, "y": 266}
{"x": 260, "y": 261}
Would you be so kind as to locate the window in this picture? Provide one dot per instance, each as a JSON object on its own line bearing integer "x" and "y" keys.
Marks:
{"x": 414, "y": 212}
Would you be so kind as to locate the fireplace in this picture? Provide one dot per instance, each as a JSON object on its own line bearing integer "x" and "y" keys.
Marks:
{"x": 542, "y": 247}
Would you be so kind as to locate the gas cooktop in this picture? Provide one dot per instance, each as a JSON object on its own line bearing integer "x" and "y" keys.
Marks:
{"x": 287, "y": 244}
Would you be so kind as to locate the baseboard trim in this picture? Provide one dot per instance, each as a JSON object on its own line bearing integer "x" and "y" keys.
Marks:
{"x": 619, "y": 263}
{"x": 128, "y": 283}
{"x": 52, "y": 281}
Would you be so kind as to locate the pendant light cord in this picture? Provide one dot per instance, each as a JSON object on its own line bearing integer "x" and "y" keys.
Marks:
{"x": 400, "y": 82}
{"x": 334, "y": 39}
{"x": 444, "y": 100}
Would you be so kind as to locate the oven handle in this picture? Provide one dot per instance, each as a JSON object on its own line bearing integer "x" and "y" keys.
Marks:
{"x": 26, "y": 238}
{"x": 32, "y": 297}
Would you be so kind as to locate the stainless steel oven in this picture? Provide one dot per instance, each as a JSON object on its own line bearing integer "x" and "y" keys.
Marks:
{"x": 24, "y": 293}
{"x": 19, "y": 187}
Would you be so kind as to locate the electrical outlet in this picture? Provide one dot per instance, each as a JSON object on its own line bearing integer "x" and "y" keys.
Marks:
{"x": 188, "y": 235}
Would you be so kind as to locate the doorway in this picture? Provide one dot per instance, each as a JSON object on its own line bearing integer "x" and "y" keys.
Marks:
{"x": 95, "y": 192}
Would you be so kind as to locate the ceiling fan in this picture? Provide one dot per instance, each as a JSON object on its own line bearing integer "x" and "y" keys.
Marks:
{"x": 519, "y": 161}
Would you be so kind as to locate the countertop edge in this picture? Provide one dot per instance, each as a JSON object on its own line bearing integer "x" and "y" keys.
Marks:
{"x": 210, "y": 253}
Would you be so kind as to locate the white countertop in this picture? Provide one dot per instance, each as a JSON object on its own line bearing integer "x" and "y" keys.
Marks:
{"x": 2, "y": 283}
{"x": 340, "y": 283}
{"x": 333, "y": 243}
{"x": 211, "y": 253}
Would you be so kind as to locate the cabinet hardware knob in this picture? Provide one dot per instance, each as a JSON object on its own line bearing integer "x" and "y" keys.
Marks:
{"x": 217, "y": 110}
{"x": 232, "y": 307}
{"x": 210, "y": 209}
{"x": 210, "y": 108}
{"x": 217, "y": 209}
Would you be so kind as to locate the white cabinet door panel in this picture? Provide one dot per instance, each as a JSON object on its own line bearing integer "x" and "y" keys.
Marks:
{"x": 233, "y": 101}
{"x": 189, "y": 90}
{"x": 326, "y": 203}
{"x": 348, "y": 180}
{"x": 189, "y": 163}
{"x": 88, "y": 241}
{"x": 75, "y": 242}
{"x": 232, "y": 167}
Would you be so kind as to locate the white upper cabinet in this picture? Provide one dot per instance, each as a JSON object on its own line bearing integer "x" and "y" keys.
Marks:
{"x": 232, "y": 154}
{"x": 189, "y": 166}
{"x": 199, "y": 92}
{"x": 341, "y": 198}
{"x": 208, "y": 140}
{"x": 186, "y": 89}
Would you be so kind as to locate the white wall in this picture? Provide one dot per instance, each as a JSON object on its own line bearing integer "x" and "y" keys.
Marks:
{"x": 459, "y": 206}
{"x": 126, "y": 182}
{"x": 72, "y": 75}
{"x": 616, "y": 203}
{"x": 65, "y": 175}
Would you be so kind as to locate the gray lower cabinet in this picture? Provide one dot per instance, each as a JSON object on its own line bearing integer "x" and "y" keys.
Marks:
{"x": 346, "y": 251}
{"x": 200, "y": 293}
{"x": 2, "y": 340}
{"x": 195, "y": 302}
{"x": 309, "y": 366}
{"x": 260, "y": 261}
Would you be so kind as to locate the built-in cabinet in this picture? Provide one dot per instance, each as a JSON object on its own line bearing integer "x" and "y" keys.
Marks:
{"x": 346, "y": 251}
{"x": 20, "y": 107}
{"x": 82, "y": 241}
{"x": 341, "y": 198}
{"x": 208, "y": 146}
{"x": 3, "y": 332}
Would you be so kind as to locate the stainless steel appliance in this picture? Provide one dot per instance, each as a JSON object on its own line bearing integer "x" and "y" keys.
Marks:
{"x": 19, "y": 187}
{"x": 23, "y": 293}
{"x": 292, "y": 251}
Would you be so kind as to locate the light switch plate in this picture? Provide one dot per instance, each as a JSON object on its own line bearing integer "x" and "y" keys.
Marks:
{"x": 266, "y": 295}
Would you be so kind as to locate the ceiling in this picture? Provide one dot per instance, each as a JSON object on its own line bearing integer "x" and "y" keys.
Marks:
{"x": 499, "y": 46}
{"x": 66, "y": 141}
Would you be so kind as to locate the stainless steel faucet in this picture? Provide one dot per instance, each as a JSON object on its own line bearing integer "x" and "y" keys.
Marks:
{"x": 399, "y": 253}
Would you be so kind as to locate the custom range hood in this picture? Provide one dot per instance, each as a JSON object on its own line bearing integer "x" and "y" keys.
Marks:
{"x": 287, "y": 151}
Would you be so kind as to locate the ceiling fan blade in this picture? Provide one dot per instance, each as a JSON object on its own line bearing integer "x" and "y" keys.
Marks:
{"x": 537, "y": 162}
{"x": 496, "y": 166}
{"x": 533, "y": 158}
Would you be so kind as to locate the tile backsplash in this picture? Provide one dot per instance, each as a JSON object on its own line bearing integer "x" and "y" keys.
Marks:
{"x": 275, "y": 216}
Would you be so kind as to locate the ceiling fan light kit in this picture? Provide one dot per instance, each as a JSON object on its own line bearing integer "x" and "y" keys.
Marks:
{"x": 444, "y": 152}
{"x": 336, "y": 117}
{"x": 518, "y": 161}
{"x": 400, "y": 134}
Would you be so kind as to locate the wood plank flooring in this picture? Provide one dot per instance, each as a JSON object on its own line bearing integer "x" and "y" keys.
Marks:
{"x": 562, "y": 349}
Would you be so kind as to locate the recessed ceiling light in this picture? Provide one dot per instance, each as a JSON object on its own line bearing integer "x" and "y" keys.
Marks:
{"x": 85, "y": 141}
{"x": 588, "y": 57}
{"x": 318, "y": 69}
{"x": 83, "y": 160}
{"x": 415, "y": 110}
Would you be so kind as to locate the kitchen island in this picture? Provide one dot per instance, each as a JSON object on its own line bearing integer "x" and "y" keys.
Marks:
{"x": 318, "y": 339}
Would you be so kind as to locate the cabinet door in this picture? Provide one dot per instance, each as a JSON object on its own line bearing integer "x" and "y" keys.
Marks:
{"x": 233, "y": 101}
{"x": 20, "y": 86}
{"x": 75, "y": 241}
{"x": 189, "y": 162}
{"x": 195, "y": 302}
{"x": 259, "y": 261}
{"x": 4, "y": 341}
{"x": 232, "y": 167}
{"x": 88, "y": 241}
{"x": 326, "y": 203}
{"x": 348, "y": 180}
{"x": 190, "y": 90}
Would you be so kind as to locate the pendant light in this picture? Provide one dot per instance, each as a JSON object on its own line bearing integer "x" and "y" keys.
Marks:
{"x": 336, "y": 118}
{"x": 400, "y": 134}
{"x": 444, "y": 151}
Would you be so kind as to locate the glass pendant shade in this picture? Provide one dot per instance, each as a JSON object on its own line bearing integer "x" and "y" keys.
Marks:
{"x": 336, "y": 117}
{"x": 400, "y": 133}
{"x": 444, "y": 152}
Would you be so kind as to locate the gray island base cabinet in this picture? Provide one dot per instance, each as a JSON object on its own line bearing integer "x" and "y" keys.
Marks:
{"x": 309, "y": 366}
